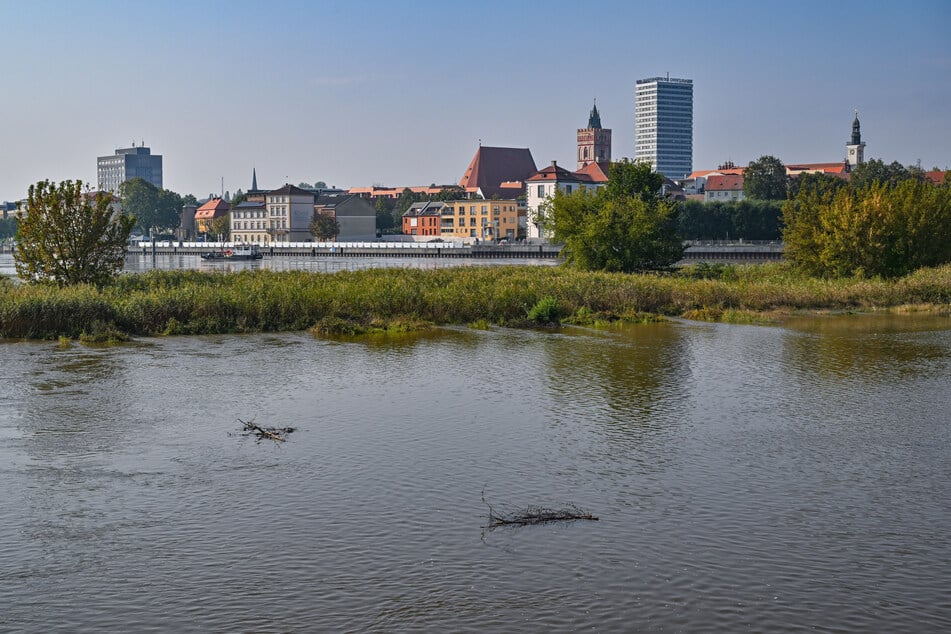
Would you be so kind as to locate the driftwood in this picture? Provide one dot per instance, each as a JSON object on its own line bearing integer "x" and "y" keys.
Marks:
{"x": 532, "y": 515}
{"x": 277, "y": 434}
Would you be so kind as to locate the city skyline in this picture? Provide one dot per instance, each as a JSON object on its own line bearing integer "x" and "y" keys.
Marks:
{"x": 401, "y": 93}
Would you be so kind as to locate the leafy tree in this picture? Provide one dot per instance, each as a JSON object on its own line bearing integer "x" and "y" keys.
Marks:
{"x": 450, "y": 193}
{"x": 221, "y": 226}
{"x": 70, "y": 235}
{"x": 384, "y": 213}
{"x": 765, "y": 179}
{"x": 151, "y": 206}
{"x": 818, "y": 181}
{"x": 239, "y": 197}
{"x": 8, "y": 228}
{"x": 406, "y": 199}
{"x": 871, "y": 230}
{"x": 324, "y": 227}
{"x": 877, "y": 171}
{"x": 304, "y": 185}
{"x": 189, "y": 199}
{"x": 624, "y": 226}
{"x": 320, "y": 185}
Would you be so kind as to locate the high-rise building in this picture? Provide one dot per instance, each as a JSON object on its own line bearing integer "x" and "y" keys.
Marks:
{"x": 126, "y": 164}
{"x": 594, "y": 142}
{"x": 663, "y": 125}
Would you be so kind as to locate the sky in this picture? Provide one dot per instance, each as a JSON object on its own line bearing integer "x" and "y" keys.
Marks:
{"x": 396, "y": 93}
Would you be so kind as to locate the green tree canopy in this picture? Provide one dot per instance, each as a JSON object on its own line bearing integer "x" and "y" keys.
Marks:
{"x": 624, "y": 226}
{"x": 869, "y": 230}
{"x": 877, "y": 171}
{"x": 765, "y": 179}
{"x": 151, "y": 206}
{"x": 70, "y": 235}
{"x": 324, "y": 227}
{"x": 221, "y": 227}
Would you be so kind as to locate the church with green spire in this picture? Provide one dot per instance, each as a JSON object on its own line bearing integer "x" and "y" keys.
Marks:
{"x": 855, "y": 147}
{"x": 594, "y": 142}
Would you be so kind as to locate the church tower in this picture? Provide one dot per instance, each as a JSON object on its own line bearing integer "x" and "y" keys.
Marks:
{"x": 594, "y": 142}
{"x": 856, "y": 147}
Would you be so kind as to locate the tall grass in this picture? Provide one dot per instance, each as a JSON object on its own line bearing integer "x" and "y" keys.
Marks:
{"x": 192, "y": 302}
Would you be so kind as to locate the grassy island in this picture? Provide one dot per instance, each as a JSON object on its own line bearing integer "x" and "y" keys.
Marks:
{"x": 193, "y": 302}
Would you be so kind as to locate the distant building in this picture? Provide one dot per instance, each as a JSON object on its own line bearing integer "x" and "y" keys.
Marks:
{"x": 355, "y": 215}
{"x": 126, "y": 164}
{"x": 724, "y": 188}
{"x": 249, "y": 222}
{"x": 209, "y": 212}
{"x": 855, "y": 146}
{"x": 663, "y": 125}
{"x": 423, "y": 219}
{"x": 544, "y": 183}
{"x": 290, "y": 210}
{"x": 187, "y": 229}
{"x": 498, "y": 172}
{"x": 594, "y": 142}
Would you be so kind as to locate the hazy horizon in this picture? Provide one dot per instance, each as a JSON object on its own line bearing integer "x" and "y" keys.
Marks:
{"x": 401, "y": 93}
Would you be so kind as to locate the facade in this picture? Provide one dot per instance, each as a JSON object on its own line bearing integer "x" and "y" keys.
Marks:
{"x": 126, "y": 164}
{"x": 498, "y": 172}
{"x": 423, "y": 219}
{"x": 209, "y": 212}
{"x": 483, "y": 219}
{"x": 249, "y": 222}
{"x": 290, "y": 211}
{"x": 547, "y": 181}
{"x": 594, "y": 142}
{"x": 355, "y": 215}
{"x": 724, "y": 188}
{"x": 855, "y": 146}
{"x": 663, "y": 125}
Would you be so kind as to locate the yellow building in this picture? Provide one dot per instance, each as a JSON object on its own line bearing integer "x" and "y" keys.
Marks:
{"x": 483, "y": 219}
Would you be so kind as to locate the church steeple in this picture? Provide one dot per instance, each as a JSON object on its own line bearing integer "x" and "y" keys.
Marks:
{"x": 594, "y": 119}
{"x": 254, "y": 179}
{"x": 594, "y": 142}
{"x": 856, "y": 146}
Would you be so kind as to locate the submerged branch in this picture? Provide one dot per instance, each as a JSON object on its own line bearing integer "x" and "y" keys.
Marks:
{"x": 532, "y": 515}
{"x": 277, "y": 434}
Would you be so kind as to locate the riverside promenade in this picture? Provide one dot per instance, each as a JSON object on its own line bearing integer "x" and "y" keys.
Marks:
{"x": 697, "y": 251}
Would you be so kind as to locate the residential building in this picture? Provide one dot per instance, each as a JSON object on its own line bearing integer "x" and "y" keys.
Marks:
{"x": 126, "y": 164}
{"x": 855, "y": 146}
{"x": 355, "y": 215}
{"x": 498, "y": 172}
{"x": 594, "y": 142}
{"x": 290, "y": 211}
{"x": 209, "y": 212}
{"x": 543, "y": 185}
{"x": 249, "y": 223}
{"x": 723, "y": 188}
{"x": 187, "y": 228}
{"x": 663, "y": 125}
{"x": 424, "y": 219}
{"x": 493, "y": 219}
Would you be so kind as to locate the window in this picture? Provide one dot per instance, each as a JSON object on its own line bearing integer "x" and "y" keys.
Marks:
{"x": 567, "y": 189}
{"x": 541, "y": 191}
{"x": 485, "y": 209}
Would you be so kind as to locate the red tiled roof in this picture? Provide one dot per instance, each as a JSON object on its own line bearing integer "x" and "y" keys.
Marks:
{"x": 597, "y": 171}
{"x": 554, "y": 173}
{"x": 492, "y": 166}
{"x": 724, "y": 183}
{"x": 935, "y": 176}
{"x": 214, "y": 208}
{"x": 736, "y": 171}
{"x": 825, "y": 168}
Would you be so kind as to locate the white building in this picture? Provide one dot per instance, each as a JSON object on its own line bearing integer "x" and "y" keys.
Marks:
{"x": 545, "y": 182}
{"x": 290, "y": 211}
{"x": 663, "y": 125}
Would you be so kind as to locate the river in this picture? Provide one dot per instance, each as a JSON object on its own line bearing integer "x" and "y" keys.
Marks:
{"x": 755, "y": 478}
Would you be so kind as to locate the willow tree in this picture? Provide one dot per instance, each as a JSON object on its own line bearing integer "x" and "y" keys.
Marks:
{"x": 70, "y": 235}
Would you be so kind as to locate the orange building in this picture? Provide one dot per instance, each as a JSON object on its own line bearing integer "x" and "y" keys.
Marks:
{"x": 212, "y": 210}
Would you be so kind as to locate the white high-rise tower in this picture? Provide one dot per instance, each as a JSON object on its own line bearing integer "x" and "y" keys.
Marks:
{"x": 663, "y": 125}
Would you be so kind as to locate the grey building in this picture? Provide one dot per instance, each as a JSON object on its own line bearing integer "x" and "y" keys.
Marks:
{"x": 126, "y": 164}
{"x": 663, "y": 125}
{"x": 355, "y": 215}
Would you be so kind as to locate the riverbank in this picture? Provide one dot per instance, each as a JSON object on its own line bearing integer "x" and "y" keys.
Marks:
{"x": 195, "y": 302}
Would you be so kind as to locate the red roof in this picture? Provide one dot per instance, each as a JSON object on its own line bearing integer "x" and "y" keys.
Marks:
{"x": 597, "y": 171}
{"x": 554, "y": 173}
{"x": 935, "y": 176}
{"x": 736, "y": 171}
{"x": 724, "y": 183}
{"x": 214, "y": 208}
{"x": 826, "y": 168}
{"x": 492, "y": 166}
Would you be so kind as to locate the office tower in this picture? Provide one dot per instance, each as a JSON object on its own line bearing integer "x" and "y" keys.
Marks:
{"x": 126, "y": 164}
{"x": 663, "y": 125}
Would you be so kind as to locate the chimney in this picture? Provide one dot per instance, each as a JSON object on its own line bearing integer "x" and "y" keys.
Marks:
{"x": 554, "y": 163}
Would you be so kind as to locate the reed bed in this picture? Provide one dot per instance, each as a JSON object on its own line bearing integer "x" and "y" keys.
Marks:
{"x": 192, "y": 302}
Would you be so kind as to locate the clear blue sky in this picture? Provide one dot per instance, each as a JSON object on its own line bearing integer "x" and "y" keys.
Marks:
{"x": 400, "y": 92}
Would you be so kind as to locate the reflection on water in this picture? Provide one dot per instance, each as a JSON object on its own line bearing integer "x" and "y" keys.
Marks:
{"x": 747, "y": 478}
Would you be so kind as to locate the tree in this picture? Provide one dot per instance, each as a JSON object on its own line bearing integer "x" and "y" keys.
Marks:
{"x": 151, "y": 206}
{"x": 304, "y": 185}
{"x": 324, "y": 227}
{"x": 877, "y": 171}
{"x": 189, "y": 199}
{"x": 320, "y": 185}
{"x": 239, "y": 197}
{"x": 384, "y": 213}
{"x": 450, "y": 193}
{"x": 8, "y": 228}
{"x": 221, "y": 226}
{"x": 869, "y": 230}
{"x": 765, "y": 179}
{"x": 70, "y": 235}
{"x": 625, "y": 226}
